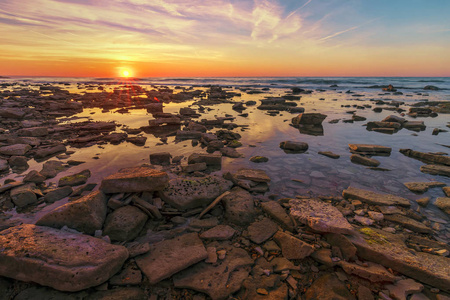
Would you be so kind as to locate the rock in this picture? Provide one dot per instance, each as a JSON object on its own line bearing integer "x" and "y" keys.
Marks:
{"x": 372, "y": 272}
{"x": 51, "y": 168}
{"x": 230, "y": 152}
{"x": 277, "y": 212}
{"x": 323, "y": 256}
{"x": 446, "y": 190}
{"x": 363, "y": 220}
{"x": 34, "y": 176}
{"x": 251, "y": 174}
{"x": 259, "y": 159}
{"x": 86, "y": 214}
{"x": 219, "y": 232}
{"x": 137, "y": 140}
{"x": 18, "y": 162}
{"x": 431, "y": 87}
{"x": 292, "y": 247}
{"x": 171, "y": 256}
{"x": 365, "y": 161}
{"x": 17, "y": 149}
{"x": 376, "y": 216}
{"x": 328, "y": 287}
{"x": 391, "y": 251}
{"x": 209, "y": 159}
{"x": 394, "y": 118}
{"x": 188, "y": 135}
{"x": 217, "y": 281}
{"x": 125, "y": 223}
{"x": 348, "y": 250}
{"x": 422, "y": 187}
{"x": 294, "y": 146}
{"x": 41, "y": 292}
{"x": 402, "y": 288}
{"x": 414, "y": 125}
{"x": 427, "y": 157}
{"x": 408, "y": 223}
{"x": 373, "y": 198}
{"x": 4, "y": 166}
{"x": 309, "y": 119}
{"x": 24, "y": 195}
{"x": 12, "y": 113}
{"x": 130, "y": 275}
{"x": 162, "y": 158}
{"x": 33, "y": 131}
{"x": 444, "y": 204}
{"x": 75, "y": 179}
{"x": 204, "y": 223}
{"x": 319, "y": 215}
{"x": 329, "y": 154}
{"x": 364, "y": 293}
{"x": 370, "y": 149}
{"x": 57, "y": 194}
{"x": 198, "y": 167}
{"x": 134, "y": 180}
{"x": 423, "y": 201}
{"x": 46, "y": 152}
{"x": 239, "y": 207}
{"x": 261, "y": 231}
{"x": 186, "y": 193}
{"x": 123, "y": 293}
{"x": 436, "y": 170}
{"x": 61, "y": 260}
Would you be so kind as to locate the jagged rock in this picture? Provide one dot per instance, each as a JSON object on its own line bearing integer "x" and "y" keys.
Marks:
{"x": 319, "y": 215}
{"x": 75, "y": 179}
{"x": 239, "y": 207}
{"x": 372, "y": 272}
{"x": 86, "y": 214}
{"x": 134, "y": 180}
{"x": 57, "y": 194}
{"x": 427, "y": 157}
{"x": 444, "y": 204}
{"x": 277, "y": 212}
{"x": 219, "y": 232}
{"x": 408, "y": 223}
{"x": 365, "y": 161}
{"x": 253, "y": 180}
{"x": 422, "y": 187}
{"x": 24, "y": 195}
{"x": 46, "y": 152}
{"x": 261, "y": 231}
{"x": 292, "y": 247}
{"x": 436, "y": 170}
{"x": 185, "y": 193}
{"x": 125, "y": 223}
{"x": 61, "y": 260}
{"x": 171, "y": 256}
{"x": 218, "y": 281}
{"x": 17, "y": 149}
{"x": 373, "y": 198}
{"x": 328, "y": 287}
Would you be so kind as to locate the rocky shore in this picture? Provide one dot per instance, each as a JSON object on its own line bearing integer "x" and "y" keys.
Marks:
{"x": 190, "y": 227}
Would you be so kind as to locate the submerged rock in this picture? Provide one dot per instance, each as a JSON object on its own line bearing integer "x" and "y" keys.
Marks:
{"x": 436, "y": 170}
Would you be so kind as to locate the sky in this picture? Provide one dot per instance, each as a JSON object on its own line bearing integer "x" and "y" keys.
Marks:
{"x": 199, "y": 38}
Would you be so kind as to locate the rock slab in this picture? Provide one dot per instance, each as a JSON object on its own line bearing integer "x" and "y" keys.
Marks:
{"x": 373, "y": 198}
{"x": 135, "y": 180}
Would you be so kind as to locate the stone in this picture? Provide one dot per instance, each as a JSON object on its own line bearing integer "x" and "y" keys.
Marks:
{"x": 376, "y": 216}
{"x": 277, "y": 212}
{"x": 364, "y": 221}
{"x": 436, "y": 170}
{"x": 122, "y": 293}
{"x": 47, "y": 152}
{"x": 204, "y": 223}
{"x": 365, "y": 161}
{"x": 198, "y": 167}
{"x": 75, "y": 179}
{"x": 259, "y": 159}
{"x": 427, "y": 157}
{"x": 329, "y": 154}
{"x": 373, "y": 198}
{"x": 169, "y": 257}
{"x": 423, "y": 201}
{"x": 34, "y": 176}
{"x": 209, "y": 159}
{"x": 370, "y": 149}
{"x": 391, "y": 251}
{"x": 135, "y": 180}
{"x": 41, "y": 292}
{"x": 219, "y": 232}
{"x": 261, "y": 231}
{"x": 319, "y": 215}
{"x": 33, "y": 131}
{"x": 17, "y": 149}
{"x": 130, "y": 275}
{"x": 217, "y": 281}
{"x": 328, "y": 287}
{"x": 18, "y": 162}
{"x": 61, "y": 260}
{"x": 86, "y": 214}
{"x": 309, "y": 119}
{"x": 4, "y": 166}
{"x": 446, "y": 190}
{"x": 187, "y": 193}
{"x": 323, "y": 256}
{"x": 292, "y": 247}
{"x": 51, "y": 168}
{"x": 12, "y": 113}
{"x": 348, "y": 250}
{"x": 422, "y": 187}
{"x": 444, "y": 204}
{"x": 402, "y": 288}
{"x": 251, "y": 174}
{"x": 161, "y": 158}
{"x": 421, "y": 296}
{"x": 394, "y": 118}
{"x": 294, "y": 146}
{"x": 24, "y": 195}
{"x": 125, "y": 223}
{"x": 372, "y": 272}
{"x": 239, "y": 207}
{"x": 137, "y": 140}
{"x": 408, "y": 223}
{"x": 57, "y": 194}
{"x": 212, "y": 255}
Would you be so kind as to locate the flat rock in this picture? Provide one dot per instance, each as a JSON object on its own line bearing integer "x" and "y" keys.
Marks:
{"x": 329, "y": 154}
{"x": 373, "y": 198}
{"x": 61, "y": 260}
{"x": 186, "y": 193}
{"x": 49, "y": 151}
{"x": 251, "y": 174}
{"x": 294, "y": 146}
{"x": 408, "y": 223}
{"x": 4, "y": 166}
{"x": 403, "y": 288}
{"x": 125, "y": 223}
{"x": 75, "y": 179}
{"x": 391, "y": 251}
{"x": 309, "y": 119}
{"x": 446, "y": 190}
{"x": 86, "y": 214}
{"x": 239, "y": 207}
{"x": 57, "y": 194}
{"x": 277, "y": 212}
{"x": 219, "y": 232}
{"x": 436, "y": 170}
{"x": 328, "y": 287}
{"x": 366, "y": 148}
{"x": 261, "y": 231}
{"x": 209, "y": 159}
{"x": 372, "y": 272}
{"x": 319, "y": 215}
{"x": 427, "y": 157}
{"x": 348, "y": 250}
{"x": 444, "y": 204}
{"x": 218, "y": 281}
{"x": 292, "y": 247}
{"x": 17, "y": 149}
{"x": 422, "y": 187}
{"x": 169, "y": 257}
{"x": 51, "y": 168}
{"x": 365, "y": 161}
{"x": 134, "y": 180}
{"x": 33, "y": 131}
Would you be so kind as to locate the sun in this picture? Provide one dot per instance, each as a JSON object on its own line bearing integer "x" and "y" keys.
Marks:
{"x": 126, "y": 73}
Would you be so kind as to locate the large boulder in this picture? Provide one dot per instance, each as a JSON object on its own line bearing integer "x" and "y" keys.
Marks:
{"x": 134, "y": 180}
{"x": 125, "y": 223}
{"x": 86, "y": 214}
{"x": 61, "y": 260}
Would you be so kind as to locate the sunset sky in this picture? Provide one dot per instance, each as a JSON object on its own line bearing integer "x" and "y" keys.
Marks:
{"x": 104, "y": 38}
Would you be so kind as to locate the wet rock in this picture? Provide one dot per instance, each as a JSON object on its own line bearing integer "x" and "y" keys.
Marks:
{"x": 328, "y": 287}
{"x": 198, "y": 167}
{"x": 402, "y": 288}
{"x": 137, "y": 140}
{"x": 365, "y": 161}
{"x": 230, "y": 152}
{"x": 204, "y": 223}
{"x": 277, "y": 212}
{"x": 17, "y": 149}
{"x": 188, "y": 135}
{"x": 239, "y": 207}
{"x": 51, "y": 168}
{"x": 116, "y": 138}
{"x": 391, "y": 251}
{"x": 373, "y": 198}
{"x": 319, "y": 215}
{"x": 162, "y": 158}
{"x": 423, "y": 201}
{"x": 61, "y": 260}
{"x": 308, "y": 119}
{"x": 219, "y": 232}
{"x": 217, "y": 281}
{"x": 12, "y": 113}
{"x": 370, "y": 149}
{"x": 34, "y": 176}
{"x": 75, "y": 179}
{"x": 185, "y": 193}
{"x": 209, "y": 159}
{"x": 47, "y": 152}
{"x": 134, "y": 180}
{"x": 40, "y": 292}
{"x": 414, "y": 125}
{"x": 261, "y": 231}
{"x": 125, "y": 223}
{"x": 408, "y": 223}
{"x": 18, "y": 162}
{"x": 446, "y": 190}
{"x": 171, "y": 256}
{"x": 259, "y": 159}
{"x": 422, "y": 187}
{"x": 24, "y": 195}
{"x": 292, "y": 247}
{"x": 329, "y": 154}
{"x": 86, "y": 214}
{"x": 427, "y": 157}
{"x": 294, "y": 146}
{"x": 33, "y": 131}
{"x": 123, "y": 293}
{"x": 394, "y": 118}
{"x": 436, "y": 170}
{"x": 372, "y": 272}
{"x": 444, "y": 204}
{"x": 57, "y": 194}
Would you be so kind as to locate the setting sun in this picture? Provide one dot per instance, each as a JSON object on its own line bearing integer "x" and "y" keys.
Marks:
{"x": 125, "y": 73}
